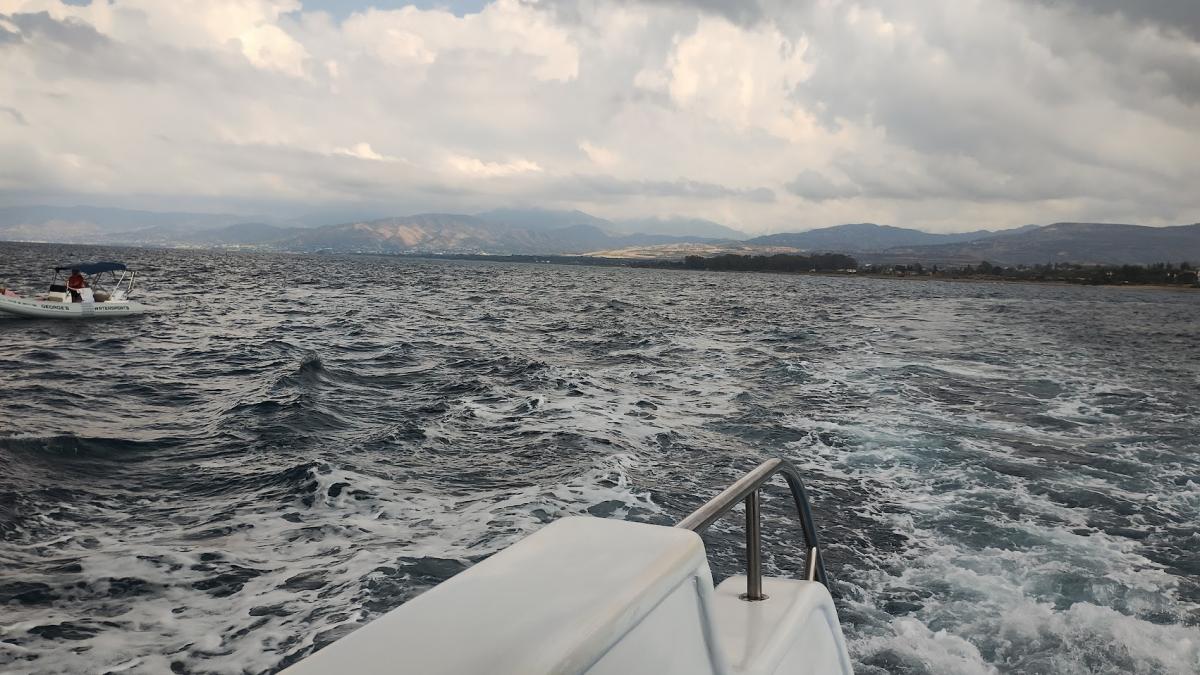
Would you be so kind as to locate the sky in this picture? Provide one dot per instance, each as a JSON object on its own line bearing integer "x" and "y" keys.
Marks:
{"x": 765, "y": 115}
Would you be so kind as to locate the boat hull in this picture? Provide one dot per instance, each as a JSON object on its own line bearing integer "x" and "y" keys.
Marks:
{"x": 38, "y": 309}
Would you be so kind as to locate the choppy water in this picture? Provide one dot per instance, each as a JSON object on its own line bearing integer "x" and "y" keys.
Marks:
{"x": 1006, "y": 476}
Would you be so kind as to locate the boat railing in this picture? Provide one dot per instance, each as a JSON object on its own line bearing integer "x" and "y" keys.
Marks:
{"x": 747, "y": 489}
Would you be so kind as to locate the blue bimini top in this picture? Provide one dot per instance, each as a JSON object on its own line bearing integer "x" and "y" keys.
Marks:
{"x": 93, "y": 268}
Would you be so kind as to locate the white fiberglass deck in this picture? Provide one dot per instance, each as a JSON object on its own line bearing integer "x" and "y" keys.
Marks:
{"x": 35, "y": 308}
{"x": 596, "y": 596}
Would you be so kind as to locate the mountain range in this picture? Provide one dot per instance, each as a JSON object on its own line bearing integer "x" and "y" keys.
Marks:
{"x": 1085, "y": 243}
{"x": 84, "y": 224}
{"x": 547, "y": 232}
{"x": 454, "y": 233}
{"x": 863, "y": 237}
{"x": 508, "y": 231}
{"x": 1089, "y": 243}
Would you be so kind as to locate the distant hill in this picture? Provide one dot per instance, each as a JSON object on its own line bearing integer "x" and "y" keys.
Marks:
{"x": 247, "y": 233}
{"x": 1084, "y": 243}
{"x": 238, "y": 234}
{"x": 87, "y": 224}
{"x": 543, "y": 219}
{"x": 857, "y": 237}
{"x": 394, "y": 234}
{"x": 525, "y": 231}
{"x": 550, "y": 232}
{"x": 453, "y": 233}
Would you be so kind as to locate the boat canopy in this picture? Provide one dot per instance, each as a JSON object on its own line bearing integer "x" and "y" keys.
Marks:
{"x": 93, "y": 268}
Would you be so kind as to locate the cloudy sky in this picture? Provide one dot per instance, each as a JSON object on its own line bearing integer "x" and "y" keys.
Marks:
{"x": 766, "y": 115}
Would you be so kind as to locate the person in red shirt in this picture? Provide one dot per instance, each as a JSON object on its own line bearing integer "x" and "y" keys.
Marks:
{"x": 74, "y": 284}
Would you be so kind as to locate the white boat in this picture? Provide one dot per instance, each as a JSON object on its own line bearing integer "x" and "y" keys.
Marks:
{"x": 608, "y": 597}
{"x": 104, "y": 295}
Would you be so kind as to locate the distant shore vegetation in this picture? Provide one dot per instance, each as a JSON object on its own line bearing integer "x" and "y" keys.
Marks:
{"x": 1159, "y": 274}
{"x": 1181, "y": 275}
{"x": 782, "y": 262}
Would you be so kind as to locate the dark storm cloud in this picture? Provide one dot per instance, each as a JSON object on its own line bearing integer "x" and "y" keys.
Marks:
{"x": 72, "y": 33}
{"x": 1161, "y": 62}
{"x": 745, "y": 13}
{"x": 8, "y": 37}
{"x": 965, "y": 178}
{"x": 1182, "y": 15}
{"x": 1042, "y": 105}
{"x": 15, "y": 114}
{"x": 737, "y": 11}
{"x": 72, "y": 48}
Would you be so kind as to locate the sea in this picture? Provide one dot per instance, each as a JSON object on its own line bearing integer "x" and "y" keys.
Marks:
{"x": 1005, "y": 477}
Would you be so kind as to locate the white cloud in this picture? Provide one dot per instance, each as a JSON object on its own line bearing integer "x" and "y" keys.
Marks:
{"x": 599, "y": 155}
{"x": 270, "y": 47}
{"x": 471, "y": 166}
{"x": 506, "y": 28}
{"x": 249, "y": 26}
{"x": 363, "y": 151}
{"x": 741, "y": 76}
{"x": 394, "y": 37}
{"x": 768, "y": 115}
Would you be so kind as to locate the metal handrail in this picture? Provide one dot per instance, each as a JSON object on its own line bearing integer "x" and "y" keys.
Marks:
{"x": 746, "y": 489}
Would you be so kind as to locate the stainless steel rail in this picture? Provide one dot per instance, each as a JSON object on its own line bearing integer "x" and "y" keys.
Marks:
{"x": 746, "y": 489}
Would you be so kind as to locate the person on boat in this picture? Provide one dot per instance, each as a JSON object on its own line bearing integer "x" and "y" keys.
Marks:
{"x": 75, "y": 283}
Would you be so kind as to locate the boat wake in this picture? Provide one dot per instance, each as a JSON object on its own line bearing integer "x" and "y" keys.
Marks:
{"x": 1003, "y": 482}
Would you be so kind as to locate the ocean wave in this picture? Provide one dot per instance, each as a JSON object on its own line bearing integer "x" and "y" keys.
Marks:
{"x": 1003, "y": 482}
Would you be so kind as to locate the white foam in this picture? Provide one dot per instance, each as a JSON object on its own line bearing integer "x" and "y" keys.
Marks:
{"x": 347, "y": 539}
{"x": 978, "y": 608}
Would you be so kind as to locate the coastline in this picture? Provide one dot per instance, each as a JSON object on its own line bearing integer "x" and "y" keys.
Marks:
{"x": 598, "y": 261}
{"x": 1002, "y": 280}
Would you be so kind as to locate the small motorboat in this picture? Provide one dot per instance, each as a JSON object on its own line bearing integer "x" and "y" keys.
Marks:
{"x": 105, "y": 294}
